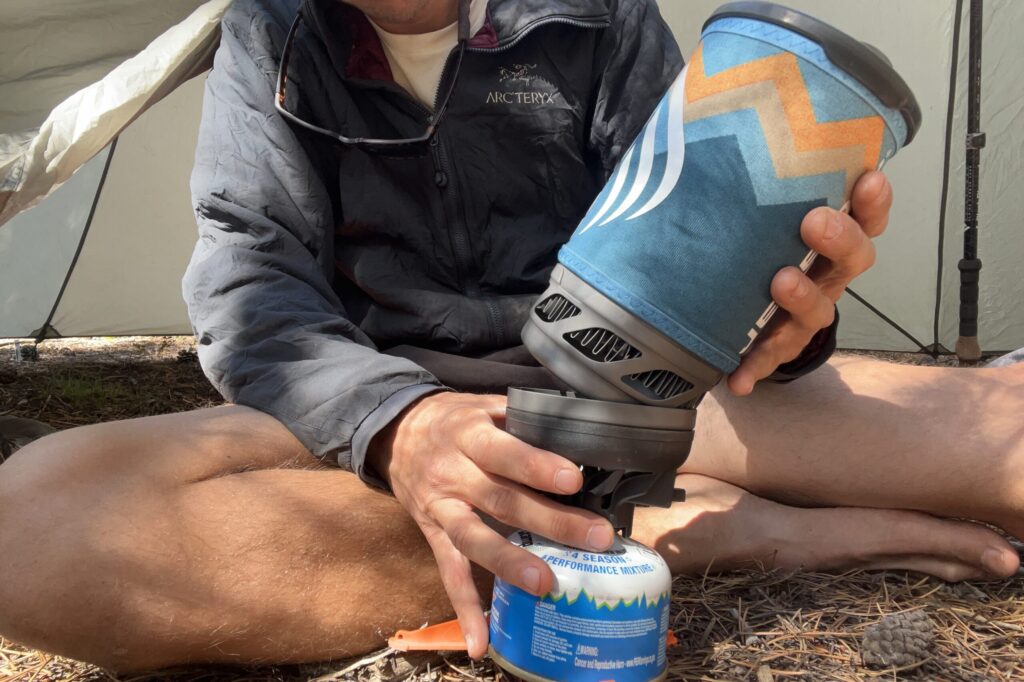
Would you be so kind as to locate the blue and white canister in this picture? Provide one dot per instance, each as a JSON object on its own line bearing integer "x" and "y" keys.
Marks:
{"x": 605, "y": 620}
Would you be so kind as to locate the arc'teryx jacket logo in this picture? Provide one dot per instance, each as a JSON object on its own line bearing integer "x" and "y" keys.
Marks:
{"x": 518, "y": 72}
{"x": 662, "y": 150}
{"x": 543, "y": 93}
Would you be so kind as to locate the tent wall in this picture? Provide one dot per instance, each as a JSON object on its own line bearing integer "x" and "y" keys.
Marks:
{"x": 53, "y": 48}
{"x": 128, "y": 277}
{"x": 1001, "y": 214}
{"x": 35, "y": 161}
{"x": 37, "y": 248}
{"x": 917, "y": 36}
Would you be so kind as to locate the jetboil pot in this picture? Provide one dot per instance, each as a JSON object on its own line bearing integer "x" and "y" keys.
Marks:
{"x": 661, "y": 289}
{"x": 666, "y": 281}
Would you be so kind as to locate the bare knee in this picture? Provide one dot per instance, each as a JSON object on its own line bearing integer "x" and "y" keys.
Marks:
{"x": 49, "y": 491}
{"x": 81, "y": 514}
{"x": 152, "y": 535}
{"x": 90, "y": 526}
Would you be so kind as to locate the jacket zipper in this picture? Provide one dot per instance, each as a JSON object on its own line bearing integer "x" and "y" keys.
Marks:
{"x": 529, "y": 28}
{"x": 497, "y": 319}
{"x": 443, "y": 178}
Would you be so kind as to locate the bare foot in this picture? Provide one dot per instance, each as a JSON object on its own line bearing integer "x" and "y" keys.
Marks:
{"x": 868, "y": 434}
{"x": 722, "y": 527}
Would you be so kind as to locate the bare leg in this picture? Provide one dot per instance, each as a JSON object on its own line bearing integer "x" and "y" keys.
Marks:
{"x": 863, "y": 433}
{"x": 722, "y": 527}
{"x": 210, "y": 536}
{"x": 213, "y": 536}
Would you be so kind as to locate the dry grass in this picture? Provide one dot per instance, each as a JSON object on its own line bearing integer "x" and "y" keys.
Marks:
{"x": 85, "y": 381}
{"x": 742, "y": 626}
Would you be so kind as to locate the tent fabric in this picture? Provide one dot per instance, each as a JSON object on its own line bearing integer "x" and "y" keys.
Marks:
{"x": 45, "y": 240}
{"x": 128, "y": 273}
{"x": 1001, "y": 208}
{"x": 127, "y": 277}
{"x": 34, "y": 162}
{"x": 127, "y": 215}
{"x": 54, "y": 48}
{"x": 917, "y": 36}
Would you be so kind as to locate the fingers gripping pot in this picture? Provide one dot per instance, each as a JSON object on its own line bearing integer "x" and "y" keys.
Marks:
{"x": 666, "y": 281}
{"x": 630, "y": 453}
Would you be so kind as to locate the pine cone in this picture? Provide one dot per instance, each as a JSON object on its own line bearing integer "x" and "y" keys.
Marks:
{"x": 899, "y": 639}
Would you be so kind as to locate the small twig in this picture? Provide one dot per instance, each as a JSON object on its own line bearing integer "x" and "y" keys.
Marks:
{"x": 35, "y": 672}
{"x": 361, "y": 663}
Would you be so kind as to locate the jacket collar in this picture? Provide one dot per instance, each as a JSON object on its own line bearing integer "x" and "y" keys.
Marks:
{"x": 512, "y": 19}
{"x": 356, "y": 51}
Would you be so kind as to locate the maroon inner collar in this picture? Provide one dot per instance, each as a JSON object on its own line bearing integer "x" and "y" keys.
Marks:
{"x": 367, "y": 60}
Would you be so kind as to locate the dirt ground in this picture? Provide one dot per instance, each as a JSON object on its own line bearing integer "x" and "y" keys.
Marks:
{"x": 750, "y": 625}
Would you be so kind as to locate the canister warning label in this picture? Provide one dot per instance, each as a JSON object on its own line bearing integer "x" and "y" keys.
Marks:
{"x": 581, "y": 638}
{"x": 546, "y": 614}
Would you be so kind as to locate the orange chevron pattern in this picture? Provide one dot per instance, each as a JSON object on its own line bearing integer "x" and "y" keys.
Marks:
{"x": 784, "y": 71}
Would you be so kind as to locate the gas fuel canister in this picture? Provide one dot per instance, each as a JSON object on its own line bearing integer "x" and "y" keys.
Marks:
{"x": 606, "y": 619}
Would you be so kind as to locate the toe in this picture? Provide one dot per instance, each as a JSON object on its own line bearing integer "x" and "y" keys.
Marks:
{"x": 950, "y": 570}
{"x": 974, "y": 544}
{"x": 947, "y": 549}
{"x": 1002, "y": 562}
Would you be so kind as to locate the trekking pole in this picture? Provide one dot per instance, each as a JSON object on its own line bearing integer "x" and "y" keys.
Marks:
{"x": 967, "y": 347}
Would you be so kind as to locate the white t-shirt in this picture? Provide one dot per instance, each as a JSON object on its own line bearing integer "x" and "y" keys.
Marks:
{"x": 417, "y": 59}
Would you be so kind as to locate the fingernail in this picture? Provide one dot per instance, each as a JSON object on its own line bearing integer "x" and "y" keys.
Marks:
{"x": 800, "y": 288}
{"x": 470, "y": 643}
{"x": 880, "y": 182}
{"x": 742, "y": 384}
{"x": 531, "y": 579}
{"x": 833, "y": 226}
{"x": 566, "y": 480}
{"x": 600, "y": 538}
{"x": 993, "y": 561}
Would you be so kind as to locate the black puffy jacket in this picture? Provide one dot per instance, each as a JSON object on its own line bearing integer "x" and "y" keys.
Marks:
{"x": 311, "y": 258}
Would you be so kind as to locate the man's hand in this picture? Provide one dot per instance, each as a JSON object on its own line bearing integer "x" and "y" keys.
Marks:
{"x": 807, "y": 302}
{"x": 446, "y": 457}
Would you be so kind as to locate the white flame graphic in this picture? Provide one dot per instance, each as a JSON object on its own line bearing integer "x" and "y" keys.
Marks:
{"x": 644, "y": 171}
{"x": 674, "y": 157}
{"x": 676, "y": 147}
{"x": 617, "y": 185}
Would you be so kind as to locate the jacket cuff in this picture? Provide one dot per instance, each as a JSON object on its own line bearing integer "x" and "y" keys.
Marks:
{"x": 813, "y": 356}
{"x": 377, "y": 420}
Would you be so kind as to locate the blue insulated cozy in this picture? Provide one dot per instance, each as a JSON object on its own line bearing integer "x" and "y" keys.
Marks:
{"x": 705, "y": 207}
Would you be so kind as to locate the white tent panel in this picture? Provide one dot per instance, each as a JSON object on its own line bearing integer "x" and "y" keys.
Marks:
{"x": 37, "y": 248}
{"x": 1001, "y": 211}
{"x": 861, "y": 328}
{"x": 34, "y": 162}
{"x": 53, "y": 48}
{"x": 128, "y": 278}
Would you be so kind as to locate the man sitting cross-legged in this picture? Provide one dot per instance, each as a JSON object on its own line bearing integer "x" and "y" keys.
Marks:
{"x": 214, "y": 536}
{"x": 260, "y": 532}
